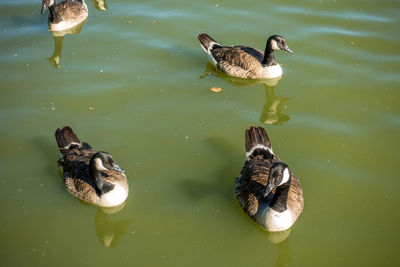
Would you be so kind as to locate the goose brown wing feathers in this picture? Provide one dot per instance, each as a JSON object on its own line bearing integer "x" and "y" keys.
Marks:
{"x": 75, "y": 164}
{"x": 70, "y": 8}
{"x": 244, "y": 57}
{"x": 250, "y": 187}
{"x": 295, "y": 198}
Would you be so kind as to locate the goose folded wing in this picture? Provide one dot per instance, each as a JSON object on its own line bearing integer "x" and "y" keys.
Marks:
{"x": 245, "y": 57}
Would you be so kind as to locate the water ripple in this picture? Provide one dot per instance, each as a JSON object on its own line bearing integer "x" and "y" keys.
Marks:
{"x": 348, "y": 15}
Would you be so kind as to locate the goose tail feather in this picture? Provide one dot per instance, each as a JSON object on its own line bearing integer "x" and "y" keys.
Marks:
{"x": 65, "y": 137}
{"x": 257, "y": 137}
{"x": 207, "y": 42}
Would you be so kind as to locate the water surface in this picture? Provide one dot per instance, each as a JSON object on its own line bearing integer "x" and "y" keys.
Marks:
{"x": 134, "y": 81}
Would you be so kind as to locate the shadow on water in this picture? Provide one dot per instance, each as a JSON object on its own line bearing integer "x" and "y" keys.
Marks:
{"x": 50, "y": 152}
{"x": 58, "y": 36}
{"x": 224, "y": 177}
{"x": 100, "y": 5}
{"x": 273, "y": 111}
{"x": 110, "y": 231}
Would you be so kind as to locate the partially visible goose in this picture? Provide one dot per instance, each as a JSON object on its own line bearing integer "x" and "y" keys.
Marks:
{"x": 267, "y": 190}
{"x": 93, "y": 177}
{"x": 243, "y": 61}
{"x": 66, "y": 14}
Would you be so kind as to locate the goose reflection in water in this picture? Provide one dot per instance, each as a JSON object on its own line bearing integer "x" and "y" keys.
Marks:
{"x": 58, "y": 36}
{"x": 278, "y": 237}
{"x": 273, "y": 108}
{"x": 110, "y": 231}
{"x": 100, "y": 4}
{"x": 273, "y": 111}
{"x": 284, "y": 253}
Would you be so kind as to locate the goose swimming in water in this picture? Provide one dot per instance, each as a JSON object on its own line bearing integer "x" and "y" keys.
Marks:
{"x": 267, "y": 190}
{"x": 66, "y": 14}
{"x": 93, "y": 177}
{"x": 243, "y": 61}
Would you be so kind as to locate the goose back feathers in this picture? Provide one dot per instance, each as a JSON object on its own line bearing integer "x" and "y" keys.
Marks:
{"x": 66, "y": 14}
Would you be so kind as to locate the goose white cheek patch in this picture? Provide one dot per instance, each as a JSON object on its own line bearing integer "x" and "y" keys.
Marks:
{"x": 274, "y": 45}
{"x": 286, "y": 176}
{"x": 99, "y": 165}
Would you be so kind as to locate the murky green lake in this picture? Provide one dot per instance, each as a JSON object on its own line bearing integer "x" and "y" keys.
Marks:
{"x": 135, "y": 82}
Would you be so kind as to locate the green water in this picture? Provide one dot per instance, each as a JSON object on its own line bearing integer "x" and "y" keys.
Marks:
{"x": 135, "y": 82}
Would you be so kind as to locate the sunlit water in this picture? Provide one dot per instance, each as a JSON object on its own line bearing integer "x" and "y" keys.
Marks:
{"x": 134, "y": 81}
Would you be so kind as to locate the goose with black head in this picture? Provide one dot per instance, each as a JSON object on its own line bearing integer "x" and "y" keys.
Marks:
{"x": 267, "y": 190}
{"x": 243, "y": 61}
{"x": 93, "y": 177}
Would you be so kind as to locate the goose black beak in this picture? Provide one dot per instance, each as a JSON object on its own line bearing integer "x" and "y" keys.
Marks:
{"x": 268, "y": 189}
{"x": 286, "y": 48}
{"x": 117, "y": 168}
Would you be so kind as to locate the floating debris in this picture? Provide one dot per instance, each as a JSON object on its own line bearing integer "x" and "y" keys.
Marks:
{"x": 216, "y": 89}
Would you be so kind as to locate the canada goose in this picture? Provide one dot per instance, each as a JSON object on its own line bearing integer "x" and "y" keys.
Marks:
{"x": 93, "y": 177}
{"x": 243, "y": 61}
{"x": 267, "y": 190}
{"x": 66, "y": 14}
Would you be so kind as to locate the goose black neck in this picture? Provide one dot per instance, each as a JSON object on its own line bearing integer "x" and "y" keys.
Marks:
{"x": 101, "y": 185}
{"x": 54, "y": 16}
{"x": 269, "y": 59}
{"x": 279, "y": 201}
